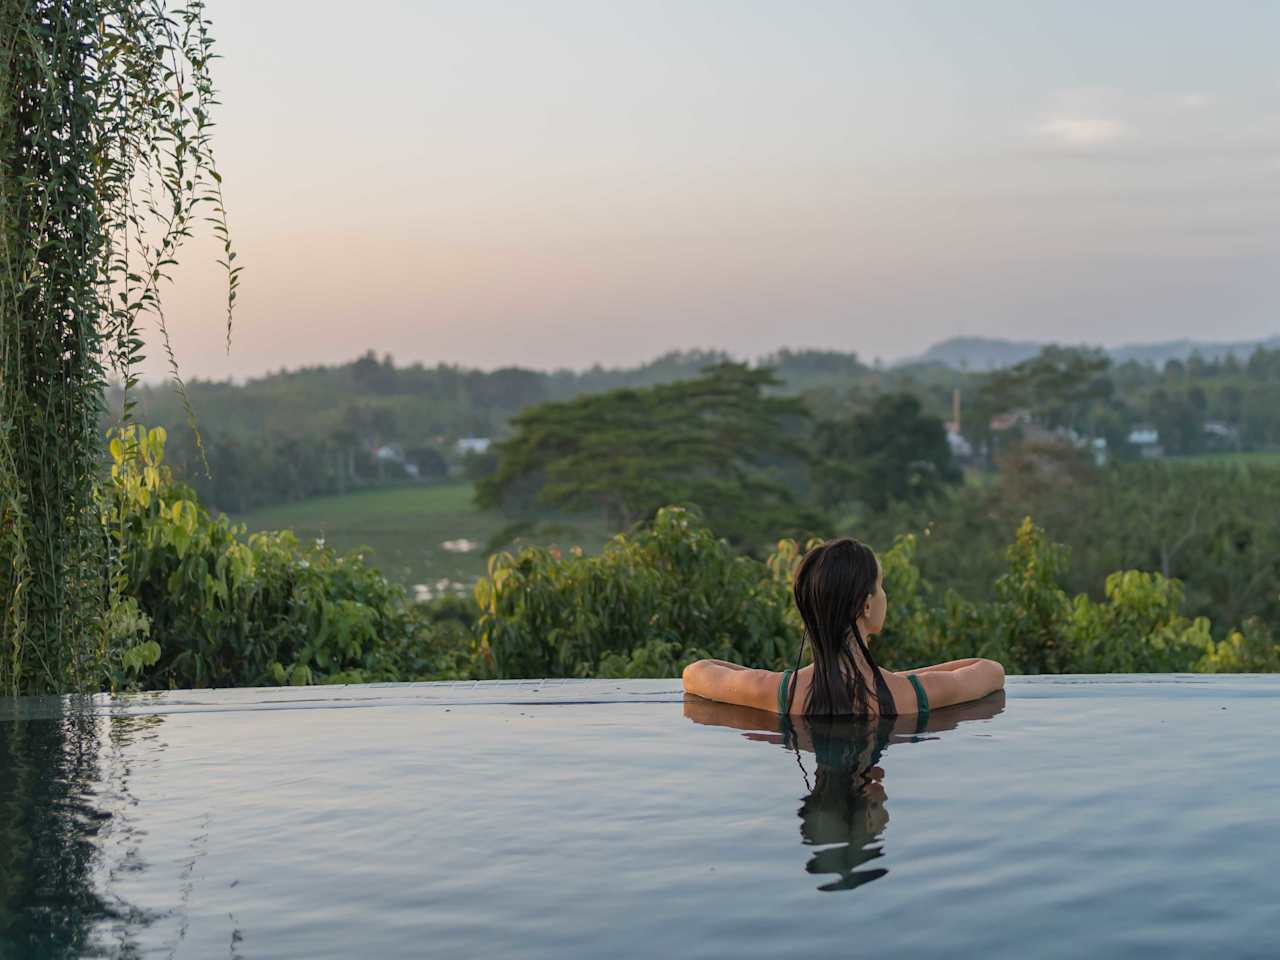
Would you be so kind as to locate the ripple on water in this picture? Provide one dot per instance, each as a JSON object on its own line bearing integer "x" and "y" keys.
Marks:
{"x": 1133, "y": 821}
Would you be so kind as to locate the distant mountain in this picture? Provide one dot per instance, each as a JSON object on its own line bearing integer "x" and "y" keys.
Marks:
{"x": 975, "y": 353}
{"x": 989, "y": 353}
{"x": 1160, "y": 353}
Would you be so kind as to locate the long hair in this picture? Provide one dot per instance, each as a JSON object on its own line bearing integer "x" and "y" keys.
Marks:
{"x": 832, "y": 584}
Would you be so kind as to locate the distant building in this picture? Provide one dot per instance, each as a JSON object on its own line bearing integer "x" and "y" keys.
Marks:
{"x": 961, "y": 448}
{"x": 1007, "y": 421}
{"x": 1147, "y": 440}
{"x": 1020, "y": 423}
{"x": 467, "y": 445}
{"x": 1221, "y": 435}
{"x": 392, "y": 454}
{"x": 1099, "y": 449}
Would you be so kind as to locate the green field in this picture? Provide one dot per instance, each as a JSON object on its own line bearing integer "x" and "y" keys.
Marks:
{"x": 1264, "y": 457}
{"x": 405, "y": 528}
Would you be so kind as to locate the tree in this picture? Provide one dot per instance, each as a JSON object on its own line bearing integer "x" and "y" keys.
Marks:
{"x": 105, "y": 168}
{"x": 717, "y": 441}
{"x": 893, "y": 451}
{"x": 1057, "y": 388}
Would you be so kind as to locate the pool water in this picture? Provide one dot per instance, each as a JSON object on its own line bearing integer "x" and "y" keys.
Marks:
{"x": 1121, "y": 816}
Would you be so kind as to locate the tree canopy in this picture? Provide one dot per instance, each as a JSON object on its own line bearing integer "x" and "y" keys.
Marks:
{"x": 718, "y": 441}
{"x": 893, "y": 451}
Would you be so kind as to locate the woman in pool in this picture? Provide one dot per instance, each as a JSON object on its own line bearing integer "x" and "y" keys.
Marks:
{"x": 839, "y": 592}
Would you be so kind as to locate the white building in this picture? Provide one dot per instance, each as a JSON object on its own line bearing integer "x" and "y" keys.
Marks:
{"x": 1147, "y": 440}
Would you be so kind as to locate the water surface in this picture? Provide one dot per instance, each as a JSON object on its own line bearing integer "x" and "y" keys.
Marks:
{"x": 1105, "y": 816}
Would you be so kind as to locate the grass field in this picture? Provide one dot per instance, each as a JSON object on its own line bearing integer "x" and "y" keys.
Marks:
{"x": 406, "y": 529}
{"x": 1266, "y": 457}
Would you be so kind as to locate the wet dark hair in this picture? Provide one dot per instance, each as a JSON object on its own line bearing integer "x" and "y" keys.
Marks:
{"x": 832, "y": 584}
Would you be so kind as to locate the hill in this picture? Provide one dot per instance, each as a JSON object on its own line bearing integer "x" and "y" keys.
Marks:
{"x": 980, "y": 354}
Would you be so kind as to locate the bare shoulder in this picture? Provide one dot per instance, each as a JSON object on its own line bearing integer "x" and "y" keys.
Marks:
{"x": 730, "y": 683}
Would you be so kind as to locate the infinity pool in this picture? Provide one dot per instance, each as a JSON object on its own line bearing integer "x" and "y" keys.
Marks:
{"x": 1117, "y": 816}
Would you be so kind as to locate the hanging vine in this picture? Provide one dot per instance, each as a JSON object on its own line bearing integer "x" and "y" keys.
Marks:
{"x": 106, "y": 168}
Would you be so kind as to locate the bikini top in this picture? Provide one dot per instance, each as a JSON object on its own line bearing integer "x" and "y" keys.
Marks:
{"x": 922, "y": 698}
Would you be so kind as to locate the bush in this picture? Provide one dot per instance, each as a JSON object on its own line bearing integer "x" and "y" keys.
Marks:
{"x": 224, "y": 608}
{"x": 647, "y": 605}
{"x": 198, "y": 602}
{"x": 673, "y": 593}
{"x": 1250, "y": 650}
{"x": 1033, "y": 627}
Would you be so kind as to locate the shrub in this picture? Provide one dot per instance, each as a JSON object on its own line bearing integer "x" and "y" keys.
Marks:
{"x": 1033, "y": 627}
{"x": 1139, "y": 628}
{"x": 199, "y": 602}
{"x": 648, "y": 604}
{"x": 226, "y": 608}
{"x": 917, "y": 632}
{"x": 673, "y": 593}
{"x": 1252, "y": 649}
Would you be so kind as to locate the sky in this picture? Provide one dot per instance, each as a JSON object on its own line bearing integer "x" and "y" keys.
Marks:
{"x": 558, "y": 184}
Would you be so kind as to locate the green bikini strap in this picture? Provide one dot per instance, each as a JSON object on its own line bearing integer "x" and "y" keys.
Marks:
{"x": 782, "y": 692}
{"x": 922, "y": 702}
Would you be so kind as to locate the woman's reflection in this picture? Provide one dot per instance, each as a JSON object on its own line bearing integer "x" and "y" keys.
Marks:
{"x": 843, "y": 810}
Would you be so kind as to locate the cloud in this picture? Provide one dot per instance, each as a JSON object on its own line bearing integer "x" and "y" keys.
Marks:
{"x": 1193, "y": 101}
{"x": 1080, "y": 132}
{"x": 1087, "y": 119}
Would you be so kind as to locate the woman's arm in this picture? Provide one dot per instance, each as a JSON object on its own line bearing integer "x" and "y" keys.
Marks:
{"x": 731, "y": 683}
{"x": 962, "y": 684}
{"x": 949, "y": 665}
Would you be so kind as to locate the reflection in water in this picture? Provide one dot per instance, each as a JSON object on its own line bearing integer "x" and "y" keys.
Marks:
{"x": 843, "y": 810}
{"x": 62, "y": 790}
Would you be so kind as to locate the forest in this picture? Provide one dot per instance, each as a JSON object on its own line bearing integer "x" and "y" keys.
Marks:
{"x": 315, "y": 431}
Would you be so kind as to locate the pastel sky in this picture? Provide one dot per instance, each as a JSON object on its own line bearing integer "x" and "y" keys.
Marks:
{"x": 555, "y": 183}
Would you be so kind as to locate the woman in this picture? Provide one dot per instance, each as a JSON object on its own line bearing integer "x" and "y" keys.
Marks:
{"x": 840, "y": 594}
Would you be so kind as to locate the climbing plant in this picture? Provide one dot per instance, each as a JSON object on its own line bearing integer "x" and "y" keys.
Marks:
{"x": 106, "y": 167}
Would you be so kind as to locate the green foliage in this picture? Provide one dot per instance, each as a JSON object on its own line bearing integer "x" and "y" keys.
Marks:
{"x": 307, "y": 433}
{"x": 219, "y": 608}
{"x": 1030, "y": 608}
{"x": 1138, "y": 630}
{"x": 1252, "y": 649}
{"x": 1213, "y": 527}
{"x": 673, "y": 593}
{"x": 893, "y": 451}
{"x": 1061, "y": 387}
{"x": 201, "y": 604}
{"x": 404, "y": 530}
{"x": 650, "y": 603}
{"x": 105, "y": 167}
{"x": 917, "y": 629}
{"x": 1033, "y": 627}
{"x": 718, "y": 441}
